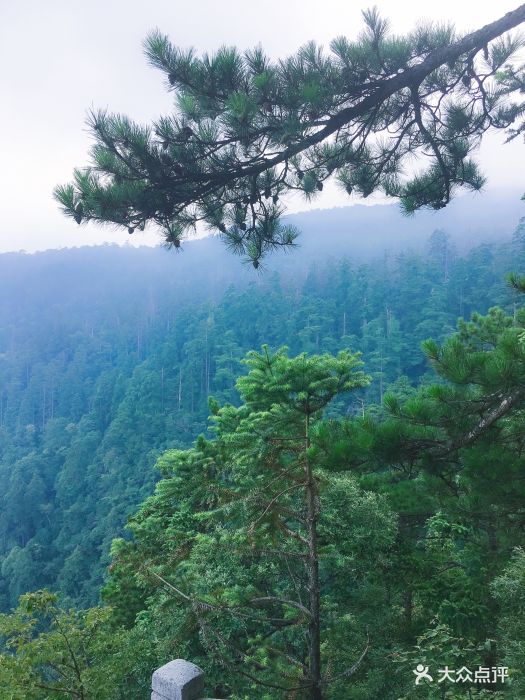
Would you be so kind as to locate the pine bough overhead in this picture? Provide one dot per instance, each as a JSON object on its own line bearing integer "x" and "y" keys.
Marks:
{"x": 246, "y": 130}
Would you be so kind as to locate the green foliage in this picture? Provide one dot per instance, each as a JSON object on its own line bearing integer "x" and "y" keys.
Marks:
{"x": 49, "y": 652}
{"x": 508, "y": 589}
{"x": 456, "y": 502}
{"x": 438, "y": 648}
{"x": 247, "y": 130}
{"x": 230, "y": 563}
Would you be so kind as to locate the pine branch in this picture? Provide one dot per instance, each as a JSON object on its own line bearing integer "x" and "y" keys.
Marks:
{"x": 505, "y": 405}
{"x": 247, "y": 131}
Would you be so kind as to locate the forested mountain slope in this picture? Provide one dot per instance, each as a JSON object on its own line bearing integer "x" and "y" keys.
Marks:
{"x": 108, "y": 356}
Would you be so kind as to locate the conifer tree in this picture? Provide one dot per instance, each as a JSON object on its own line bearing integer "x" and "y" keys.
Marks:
{"x": 255, "y": 550}
{"x": 450, "y": 459}
{"x": 246, "y": 130}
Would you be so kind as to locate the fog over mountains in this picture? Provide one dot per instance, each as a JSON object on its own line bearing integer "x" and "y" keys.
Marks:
{"x": 365, "y": 231}
{"x": 359, "y": 233}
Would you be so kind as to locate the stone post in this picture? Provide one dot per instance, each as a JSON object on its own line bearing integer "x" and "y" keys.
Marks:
{"x": 177, "y": 680}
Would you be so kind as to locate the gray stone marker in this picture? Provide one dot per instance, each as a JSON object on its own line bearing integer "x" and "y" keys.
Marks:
{"x": 177, "y": 680}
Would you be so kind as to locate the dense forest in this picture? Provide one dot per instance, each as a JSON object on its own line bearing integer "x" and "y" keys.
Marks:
{"x": 105, "y": 389}
{"x": 282, "y": 452}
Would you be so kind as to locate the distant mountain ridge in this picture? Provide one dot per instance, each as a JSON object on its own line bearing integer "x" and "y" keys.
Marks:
{"x": 78, "y": 281}
{"x": 360, "y": 233}
{"x": 364, "y": 231}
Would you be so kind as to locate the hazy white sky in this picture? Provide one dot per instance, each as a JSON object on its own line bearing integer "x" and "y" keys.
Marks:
{"x": 60, "y": 57}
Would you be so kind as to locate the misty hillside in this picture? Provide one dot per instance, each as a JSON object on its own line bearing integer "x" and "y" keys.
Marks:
{"x": 108, "y": 357}
{"x": 366, "y": 231}
{"x": 358, "y": 233}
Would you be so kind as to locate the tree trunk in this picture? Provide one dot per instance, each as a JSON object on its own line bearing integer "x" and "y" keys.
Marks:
{"x": 313, "y": 575}
{"x": 408, "y": 608}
